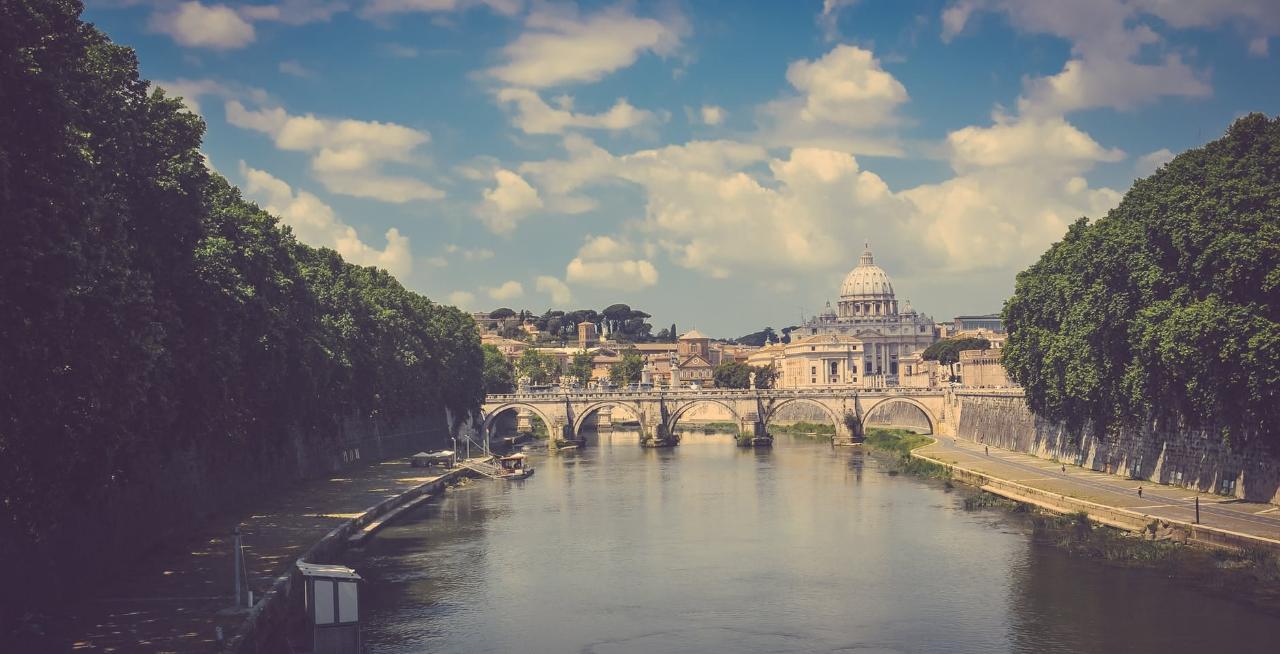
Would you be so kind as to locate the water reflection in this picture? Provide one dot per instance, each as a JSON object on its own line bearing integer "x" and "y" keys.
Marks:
{"x": 711, "y": 547}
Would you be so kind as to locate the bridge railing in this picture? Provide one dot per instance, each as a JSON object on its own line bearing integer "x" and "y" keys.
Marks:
{"x": 579, "y": 394}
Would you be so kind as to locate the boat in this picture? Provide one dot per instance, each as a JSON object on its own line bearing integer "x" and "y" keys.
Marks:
{"x": 513, "y": 466}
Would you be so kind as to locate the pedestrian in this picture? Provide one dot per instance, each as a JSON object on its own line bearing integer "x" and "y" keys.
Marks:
{"x": 1064, "y": 468}
{"x": 986, "y": 450}
{"x": 1139, "y": 491}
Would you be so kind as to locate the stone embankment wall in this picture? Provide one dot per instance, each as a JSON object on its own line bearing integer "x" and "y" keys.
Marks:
{"x": 1191, "y": 459}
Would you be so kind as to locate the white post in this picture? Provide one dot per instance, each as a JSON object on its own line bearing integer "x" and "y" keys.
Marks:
{"x": 235, "y": 557}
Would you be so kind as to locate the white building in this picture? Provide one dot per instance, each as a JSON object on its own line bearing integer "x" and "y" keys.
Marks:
{"x": 880, "y": 334}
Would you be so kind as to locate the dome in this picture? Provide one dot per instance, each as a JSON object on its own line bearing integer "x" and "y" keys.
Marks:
{"x": 867, "y": 281}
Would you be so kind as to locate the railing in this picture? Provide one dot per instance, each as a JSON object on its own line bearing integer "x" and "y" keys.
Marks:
{"x": 689, "y": 393}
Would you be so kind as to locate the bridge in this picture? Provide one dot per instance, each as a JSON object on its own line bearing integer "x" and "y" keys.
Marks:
{"x": 566, "y": 411}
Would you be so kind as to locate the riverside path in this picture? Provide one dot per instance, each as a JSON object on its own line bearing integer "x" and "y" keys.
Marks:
{"x": 174, "y": 600}
{"x": 1158, "y": 501}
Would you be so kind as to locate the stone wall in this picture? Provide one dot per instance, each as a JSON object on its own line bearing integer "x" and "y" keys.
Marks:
{"x": 1191, "y": 459}
{"x": 898, "y": 414}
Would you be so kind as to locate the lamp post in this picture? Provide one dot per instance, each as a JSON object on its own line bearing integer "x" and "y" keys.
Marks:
{"x": 455, "y": 447}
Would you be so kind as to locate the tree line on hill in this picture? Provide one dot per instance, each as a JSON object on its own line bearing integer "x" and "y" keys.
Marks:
{"x": 167, "y": 346}
{"x": 624, "y": 324}
{"x": 1165, "y": 312}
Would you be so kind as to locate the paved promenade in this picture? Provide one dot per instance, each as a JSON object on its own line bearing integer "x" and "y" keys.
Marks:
{"x": 1157, "y": 500}
{"x": 173, "y": 601}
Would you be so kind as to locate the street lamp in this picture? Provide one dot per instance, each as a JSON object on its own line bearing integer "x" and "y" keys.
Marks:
{"x": 455, "y": 447}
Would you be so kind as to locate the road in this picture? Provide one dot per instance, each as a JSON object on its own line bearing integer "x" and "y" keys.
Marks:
{"x": 1157, "y": 500}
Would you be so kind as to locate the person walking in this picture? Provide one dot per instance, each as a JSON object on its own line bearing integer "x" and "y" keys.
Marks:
{"x": 986, "y": 450}
{"x": 1139, "y": 491}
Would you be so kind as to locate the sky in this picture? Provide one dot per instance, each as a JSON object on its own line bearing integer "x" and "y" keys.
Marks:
{"x": 718, "y": 164}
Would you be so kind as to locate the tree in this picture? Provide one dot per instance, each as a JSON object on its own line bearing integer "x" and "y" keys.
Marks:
{"x": 539, "y": 368}
{"x": 581, "y": 366}
{"x": 502, "y": 313}
{"x": 947, "y": 351}
{"x": 731, "y": 374}
{"x": 765, "y": 376}
{"x": 1166, "y": 311}
{"x": 758, "y": 339}
{"x": 498, "y": 373}
{"x": 628, "y": 370}
{"x": 616, "y": 312}
{"x": 675, "y": 335}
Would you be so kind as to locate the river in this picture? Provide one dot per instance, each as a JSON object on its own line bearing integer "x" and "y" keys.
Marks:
{"x": 711, "y": 548}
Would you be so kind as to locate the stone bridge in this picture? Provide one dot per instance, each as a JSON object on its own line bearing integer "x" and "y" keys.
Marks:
{"x": 566, "y": 411}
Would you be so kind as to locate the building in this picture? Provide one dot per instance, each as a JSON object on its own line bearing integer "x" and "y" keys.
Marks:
{"x": 692, "y": 362}
{"x": 990, "y": 322}
{"x": 868, "y": 312}
{"x": 825, "y": 360}
{"x": 983, "y": 368}
{"x": 587, "y": 336}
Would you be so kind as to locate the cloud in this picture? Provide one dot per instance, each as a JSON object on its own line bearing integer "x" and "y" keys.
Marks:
{"x": 708, "y": 207}
{"x": 1152, "y": 161}
{"x": 534, "y": 116}
{"x": 316, "y": 223}
{"x": 469, "y": 254}
{"x": 843, "y": 99}
{"x": 384, "y": 8}
{"x": 829, "y": 17}
{"x": 195, "y": 25}
{"x": 712, "y": 114}
{"x": 507, "y": 202}
{"x": 1107, "y": 37}
{"x": 1026, "y": 142}
{"x": 462, "y": 299}
{"x": 348, "y": 154}
{"x": 191, "y": 90}
{"x": 559, "y": 46}
{"x": 507, "y": 291}
{"x": 558, "y": 290}
{"x": 602, "y": 262}
{"x": 293, "y": 12}
{"x": 296, "y": 69}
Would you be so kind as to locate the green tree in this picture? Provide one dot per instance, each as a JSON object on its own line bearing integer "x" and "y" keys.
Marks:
{"x": 538, "y": 367}
{"x": 765, "y": 376}
{"x": 1166, "y": 310}
{"x": 731, "y": 374}
{"x": 581, "y": 366}
{"x": 627, "y": 371}
{"x": 498, "y": 372}
{"x": 502, "y": 313}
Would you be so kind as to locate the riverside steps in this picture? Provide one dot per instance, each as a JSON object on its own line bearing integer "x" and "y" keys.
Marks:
{"x": 1107, "y": 498}
{"x": 176, "y": 600}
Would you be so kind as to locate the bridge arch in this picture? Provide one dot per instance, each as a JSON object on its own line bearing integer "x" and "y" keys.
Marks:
{"x": 891, "y": 412}
{"x": 492, "y": 414}
{"x": 673, "y": 420}
{"x": 580, "y": 417}
{"x": 831, "y": 413}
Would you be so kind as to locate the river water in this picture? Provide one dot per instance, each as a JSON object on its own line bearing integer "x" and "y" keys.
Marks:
{"x": 711, "y": 548}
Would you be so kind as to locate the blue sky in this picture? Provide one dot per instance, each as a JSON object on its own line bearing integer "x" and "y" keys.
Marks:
{"x": 719, "y": 164}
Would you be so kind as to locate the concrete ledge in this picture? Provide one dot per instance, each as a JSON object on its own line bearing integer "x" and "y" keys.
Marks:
{"x": 265, "y": 626}
{"x": 1101, "y": 513}
{"x": 358, "y": 539}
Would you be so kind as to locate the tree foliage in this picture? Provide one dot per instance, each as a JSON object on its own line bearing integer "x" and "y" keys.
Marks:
{"x": 537, "y": 367}
{"x": 152, "y": 320}
{"x": 581, "y": 366}
{"x": 735, "y": 374}
{"x": 947, "y": 351}
{"x": 498, "y": 375}
{"x": 1166, "y": 309}
{"x": 627, "y": 371}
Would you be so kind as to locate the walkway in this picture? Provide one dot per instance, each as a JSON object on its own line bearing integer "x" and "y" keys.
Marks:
{"x": 1157, "y": 501}
{"x": 172, "y": 601}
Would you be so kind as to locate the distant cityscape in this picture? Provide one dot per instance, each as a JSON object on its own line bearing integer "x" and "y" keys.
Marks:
{"x": 867, "y": 341}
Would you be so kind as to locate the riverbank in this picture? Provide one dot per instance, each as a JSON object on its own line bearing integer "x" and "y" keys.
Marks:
{"x": 1242, "y": 567}
{"x": 179, "y": 597}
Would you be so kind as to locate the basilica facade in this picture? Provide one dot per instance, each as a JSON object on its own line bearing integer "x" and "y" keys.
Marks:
{"x": 861, "y": 342}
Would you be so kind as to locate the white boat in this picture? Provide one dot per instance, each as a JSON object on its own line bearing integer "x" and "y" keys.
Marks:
{"x": 513, "y": 466}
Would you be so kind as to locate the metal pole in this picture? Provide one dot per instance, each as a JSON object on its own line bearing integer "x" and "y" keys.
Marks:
{"x": 1197, "y": 509}
{"x": 235, "y": 556}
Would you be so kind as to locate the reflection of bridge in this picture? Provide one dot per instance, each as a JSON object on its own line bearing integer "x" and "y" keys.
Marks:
{"x": 565, "y": 412}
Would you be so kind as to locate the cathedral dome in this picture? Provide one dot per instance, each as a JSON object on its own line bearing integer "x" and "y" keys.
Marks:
{"x": 867, "y": 281}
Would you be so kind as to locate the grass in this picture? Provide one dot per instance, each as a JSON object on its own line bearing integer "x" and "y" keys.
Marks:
{"x": 900, "y": 442}
{"x": 731, "y": 427}
{"x": 803, "y": 428}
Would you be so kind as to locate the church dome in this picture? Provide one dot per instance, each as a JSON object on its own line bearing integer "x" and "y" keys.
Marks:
{"x": 866, "y": 281}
